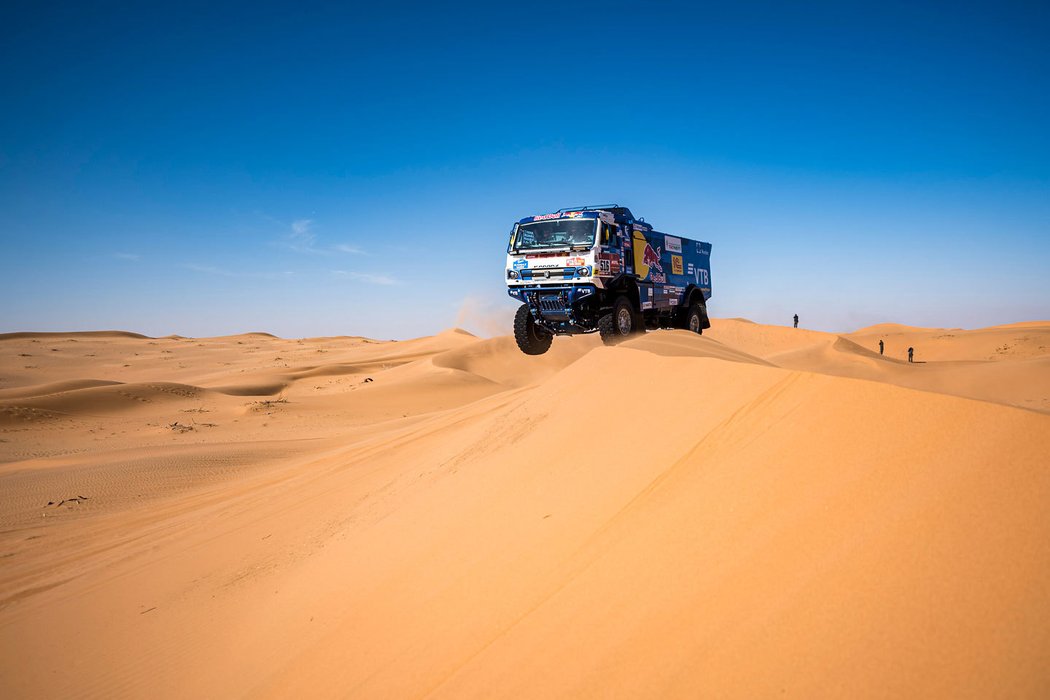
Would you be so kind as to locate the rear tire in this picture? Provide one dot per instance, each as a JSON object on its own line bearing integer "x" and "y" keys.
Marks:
{"x": 619, "y": 324}
{"x": 694, "y": 319}
{"x": 531, "y": 339}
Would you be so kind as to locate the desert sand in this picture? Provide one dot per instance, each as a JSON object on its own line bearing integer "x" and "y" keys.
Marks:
{"x": 759, "y": 511}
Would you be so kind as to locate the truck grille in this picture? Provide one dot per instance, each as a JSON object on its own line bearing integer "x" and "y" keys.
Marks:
{"x": 555, "y": 273}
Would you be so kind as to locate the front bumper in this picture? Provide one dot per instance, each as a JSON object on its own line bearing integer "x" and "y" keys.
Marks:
{"x": 561, "y": 309}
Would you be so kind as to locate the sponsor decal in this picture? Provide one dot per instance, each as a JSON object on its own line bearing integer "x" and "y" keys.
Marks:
{"x": 609, "y": 263}
{"x": 574, "y": 262}
{"x": 673, "y": 301}
{"x": 651, "y": 257}
{"x": 521, "y": 264}
{"x": 676, "y": 264}
{"x": 573, "y": 214}
{"x": 647, "y": 304}
{"x": 702, "y": 277}
{"x": 647, "y": 260}
{"x": 673, "y": 244}
{"x": 543, "y": 217}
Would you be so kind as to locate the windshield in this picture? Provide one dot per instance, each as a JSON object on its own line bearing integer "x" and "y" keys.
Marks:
{"x": 554, "y": 234}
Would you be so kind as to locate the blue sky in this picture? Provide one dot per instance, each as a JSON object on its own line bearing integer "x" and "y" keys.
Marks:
{"x": 323, "y": 169}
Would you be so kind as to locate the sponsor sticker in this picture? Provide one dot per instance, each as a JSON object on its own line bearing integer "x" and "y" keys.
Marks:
{"x": 676, "y": 264}
{"x": 574, "y": 262}
{"x": 647, "y": 260}
{"x": 647, "y": 304}
{"x": 521, "y": 264}
{"x": 672, "y": 244}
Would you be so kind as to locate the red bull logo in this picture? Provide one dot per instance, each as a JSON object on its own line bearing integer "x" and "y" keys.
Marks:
{"x": 647, "y": 263}
{"x": 651, "y": 258}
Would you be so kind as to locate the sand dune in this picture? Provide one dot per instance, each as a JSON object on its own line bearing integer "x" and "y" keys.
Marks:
{"x": 72, "y": 335}
{"x": 1003, "y": 364}
{"x": 758, "y": 511}
{"x": 53, "y": 388}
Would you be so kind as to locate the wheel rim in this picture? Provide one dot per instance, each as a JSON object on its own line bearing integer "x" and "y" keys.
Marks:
{"x": 623, "y": 321}
{"x": 694, "y": 323}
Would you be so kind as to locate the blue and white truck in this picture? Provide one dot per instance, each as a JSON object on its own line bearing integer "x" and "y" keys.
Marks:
{"x": 597, "y": 268}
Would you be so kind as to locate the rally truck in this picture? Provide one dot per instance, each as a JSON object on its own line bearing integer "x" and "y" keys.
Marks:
{"x": 597, "y": 268}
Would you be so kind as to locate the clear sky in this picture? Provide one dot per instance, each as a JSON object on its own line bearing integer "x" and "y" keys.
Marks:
{"x": 344, "y": 168}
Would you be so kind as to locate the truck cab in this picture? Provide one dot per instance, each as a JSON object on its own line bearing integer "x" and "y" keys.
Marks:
{"x": 598, "y": 269}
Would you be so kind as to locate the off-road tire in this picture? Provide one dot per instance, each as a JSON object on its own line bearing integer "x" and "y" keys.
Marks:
{"x": 694, "y": 319}
{"x": 618, "y": 325}
{"x": 531, "y": 339}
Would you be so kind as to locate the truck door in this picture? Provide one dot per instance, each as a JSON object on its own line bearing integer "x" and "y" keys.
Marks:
{"x": 611, "y": 251}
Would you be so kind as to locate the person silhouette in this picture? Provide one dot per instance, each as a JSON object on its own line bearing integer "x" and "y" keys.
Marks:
{"x": 911, "y": 354}
{"x": 881, "y": 346}
{"x": 796, "y": 320}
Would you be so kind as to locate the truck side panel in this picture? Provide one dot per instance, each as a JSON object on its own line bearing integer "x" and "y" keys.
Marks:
{"x": 671, "y": 265}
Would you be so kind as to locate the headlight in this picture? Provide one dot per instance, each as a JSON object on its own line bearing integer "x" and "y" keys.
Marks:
{"x": 583, "y": 271}
{"x": 512, "y": 274}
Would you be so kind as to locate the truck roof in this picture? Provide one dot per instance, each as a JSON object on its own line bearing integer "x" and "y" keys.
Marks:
{"x": 621, "y": 215}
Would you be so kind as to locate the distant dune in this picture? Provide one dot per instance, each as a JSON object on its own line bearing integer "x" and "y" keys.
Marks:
{"x": 70, "y": 334}
{"x": 756, "y": 512}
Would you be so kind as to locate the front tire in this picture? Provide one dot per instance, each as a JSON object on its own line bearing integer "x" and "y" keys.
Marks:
{"x": 531, "y": 339}
{"x": 619, "y": 324}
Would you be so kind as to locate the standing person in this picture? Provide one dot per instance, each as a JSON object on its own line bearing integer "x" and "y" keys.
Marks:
{"x": 796, "y": 320}
{"x": 881, "y": 346}
{"x": 911, "y": 354}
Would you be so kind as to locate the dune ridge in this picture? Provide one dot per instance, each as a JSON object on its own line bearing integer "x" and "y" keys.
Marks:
{"x": 757, "y": 511}
{"x": 50, "y": 335}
